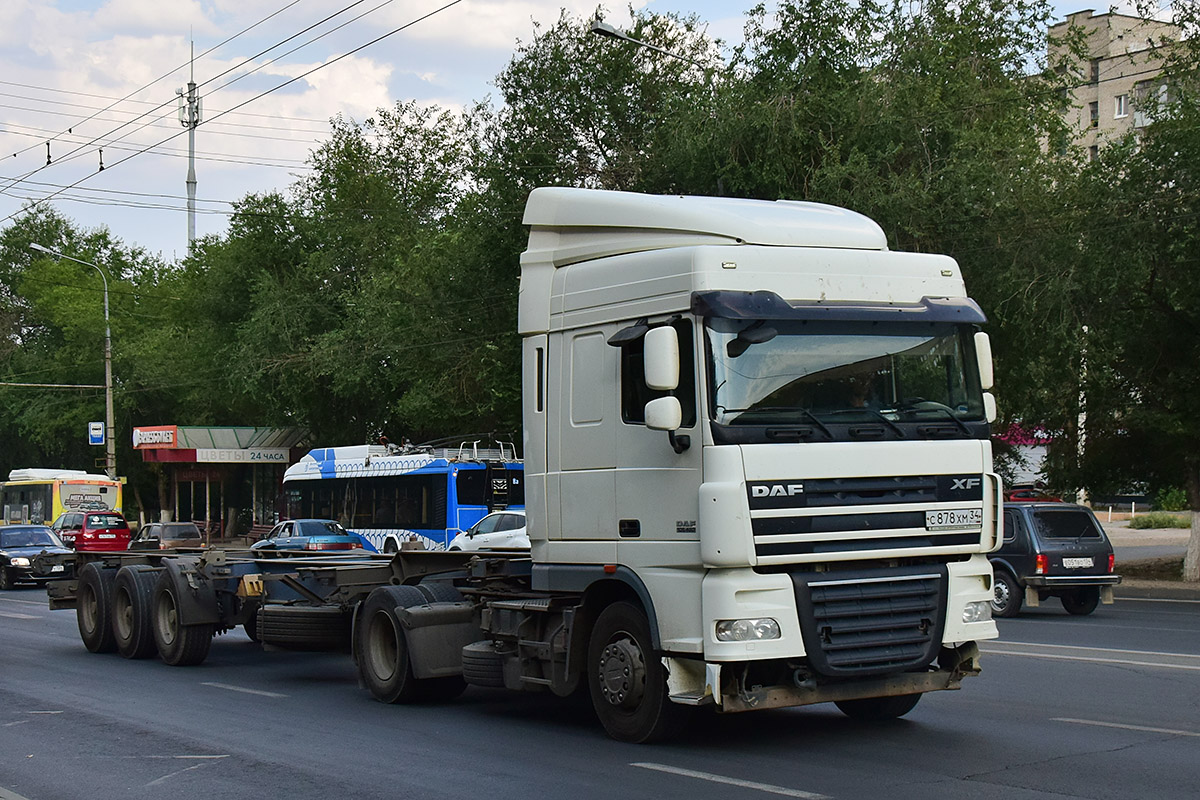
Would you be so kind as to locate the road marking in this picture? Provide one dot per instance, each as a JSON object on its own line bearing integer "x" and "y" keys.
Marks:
{"x": 1126, "y": 662}
{"x": 41, "y": 603}
{"x": 5, "y": 794}
{"x": 708, "y": 776}
{"x": 242, "y": 689}
{"x": 170, "y": 775}
{"x": 1124, "y": 727}
{"x": 18, "y": 722}
{"x": 1098, "y": 649}
{"x": 43, "y": 712}
{"x": 14, "y": 615}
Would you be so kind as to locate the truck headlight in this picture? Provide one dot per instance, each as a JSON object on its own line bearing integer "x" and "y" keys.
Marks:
{"x": 18, "y": 561}
{"x": 747, "y": 630}
{"x": 978, "y": 611}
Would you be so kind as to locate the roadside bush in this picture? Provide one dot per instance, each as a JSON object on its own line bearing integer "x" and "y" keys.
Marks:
{"x": 1160, "y": 519}
{"x": 1171, "y": 499}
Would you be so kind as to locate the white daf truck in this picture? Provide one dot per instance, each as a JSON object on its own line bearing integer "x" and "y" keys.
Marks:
{"x": 757, "y": 475}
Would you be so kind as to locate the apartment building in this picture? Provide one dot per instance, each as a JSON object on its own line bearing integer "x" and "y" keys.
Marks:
{"x": 1120, "y": 73}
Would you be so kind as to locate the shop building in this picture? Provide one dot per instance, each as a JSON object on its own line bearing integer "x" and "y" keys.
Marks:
{"x": 227, "y": 480}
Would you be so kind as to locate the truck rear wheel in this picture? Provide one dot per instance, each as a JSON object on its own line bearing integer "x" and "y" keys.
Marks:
{"x": 627, "y": 680}
{"x": 875, "y": 709}
{"x": 381, "y": 650}
{"x": 132, "y": 593}
{"x": 93, "y": 608}
{"x": 179, "y": 645}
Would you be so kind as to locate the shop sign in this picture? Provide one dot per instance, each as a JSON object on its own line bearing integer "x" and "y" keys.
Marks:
{"x": 159, "y": 437}
{"x": 254, "y": 455}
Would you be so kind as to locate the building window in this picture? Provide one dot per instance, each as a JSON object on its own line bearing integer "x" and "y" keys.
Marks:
{"x": 1121, "y": 106}
{"x": 1093, "y": 152}
{"x": 1094, "y": 112}
{"x": 1095, "y": 73}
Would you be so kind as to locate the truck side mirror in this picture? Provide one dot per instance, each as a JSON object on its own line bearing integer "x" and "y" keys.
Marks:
{"x": 983, "y": 355}
{"x": 661, "y": 363}
{"x": 664, "y": 414}
{"x": 989, "y": 407}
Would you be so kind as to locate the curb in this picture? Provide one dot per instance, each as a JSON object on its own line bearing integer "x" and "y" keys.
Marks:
{"x": 1157, "y": 590}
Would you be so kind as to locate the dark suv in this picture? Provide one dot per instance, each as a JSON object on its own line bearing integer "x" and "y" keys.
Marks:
{"x": 1052, "y": 550}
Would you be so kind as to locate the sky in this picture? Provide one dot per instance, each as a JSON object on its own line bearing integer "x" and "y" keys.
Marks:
{"x": 97, "y": 79}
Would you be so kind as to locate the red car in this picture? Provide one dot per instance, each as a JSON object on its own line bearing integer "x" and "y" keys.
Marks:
{"x": 93, "y": 530}
{"x": 1028, "y": 493}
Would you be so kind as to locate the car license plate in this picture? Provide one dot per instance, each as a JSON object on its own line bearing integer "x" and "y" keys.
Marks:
{"x": 56, "y": 568}
{"x": 1076, "y": 563}
{"x": 954, "y": 519}
{"x": 108, "y": 536}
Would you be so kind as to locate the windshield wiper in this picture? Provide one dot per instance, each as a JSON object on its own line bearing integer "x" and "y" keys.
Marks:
{"x": 775, "y": 409}
{"x": 933, "y": 405}
{"x": 899, "y": 432}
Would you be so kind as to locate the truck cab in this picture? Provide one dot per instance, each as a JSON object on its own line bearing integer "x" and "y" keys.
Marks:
{"x": 765, "y": 426}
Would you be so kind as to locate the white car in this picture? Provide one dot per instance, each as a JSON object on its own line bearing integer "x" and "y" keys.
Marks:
{"x": 500, "y": 530}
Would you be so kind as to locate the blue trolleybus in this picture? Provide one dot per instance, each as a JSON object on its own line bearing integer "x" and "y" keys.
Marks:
{"x": 400, "y": 498}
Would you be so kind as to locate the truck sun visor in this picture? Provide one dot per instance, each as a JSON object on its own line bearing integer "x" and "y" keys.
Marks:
{"x": 769, "y": 305}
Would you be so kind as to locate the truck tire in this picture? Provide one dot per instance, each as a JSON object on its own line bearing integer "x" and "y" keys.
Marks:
{"x": 876, "y": 709}
{"x": 132, "y": 593}
{"x": 93, "y": 608}
{"x": 627, "y": 680}
{"x": 382, "y": 651}
{"x": 1006, "y": 595}
{"x": 482, "y": 665}
{"x": 1082, "y": 601}
{"x": 250, "y": 626}
{"x": 179, "y": 645}
{"x": 311, "y": 628}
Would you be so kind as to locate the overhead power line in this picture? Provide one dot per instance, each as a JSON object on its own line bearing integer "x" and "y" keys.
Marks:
{"x": 286, "y": 83}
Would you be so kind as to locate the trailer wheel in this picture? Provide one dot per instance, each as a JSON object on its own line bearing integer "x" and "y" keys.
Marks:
{"x": 132, "y": 592}
{"x": 876, "y": 709}
{"x": 627, "y": 680}
{"x": 93, "y": 608}
{"x": 179, "y": 645}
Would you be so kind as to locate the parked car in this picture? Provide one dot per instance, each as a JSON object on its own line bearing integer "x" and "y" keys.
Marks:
{"x": 500, "y": 530}
{"x": 166, "y": 536}
{"x": 19, "y": 545}
{"x": 1052, "y": 549}
{"x": 308, "y": 534}
{"x": 93, "y": 530}
{"x": 1029, "y": 492}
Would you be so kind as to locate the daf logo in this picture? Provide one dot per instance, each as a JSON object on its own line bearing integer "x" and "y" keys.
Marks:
{"x": 791, "y": 490}
{"x": 964, "y": 484}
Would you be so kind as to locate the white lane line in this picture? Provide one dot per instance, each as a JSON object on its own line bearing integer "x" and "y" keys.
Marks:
{"x": 18, "y": 722}
{"x": 41, "y": 603}
{"x": 242, "y": 689}
{"x": 1125, "y": 662}
{"x": 1098, "y": 649}
{"x": 708, "y": 776}
{"x": 14, "y": 615}
{"x": 170, "y": 775}
{"x": 5, "y": 794}
{"x": 1100, "y": 724}
{"x": 43, "y": 712}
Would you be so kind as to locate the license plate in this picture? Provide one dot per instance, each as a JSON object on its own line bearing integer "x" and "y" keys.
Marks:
{"x": 56, "y": 568}
{"x": 108, "y": 536}
{"x": 1076, "y": 563}
{"x": 954, "y": 519}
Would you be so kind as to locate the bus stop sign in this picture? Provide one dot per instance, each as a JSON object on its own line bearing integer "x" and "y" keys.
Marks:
{"x": 95, "y": 433}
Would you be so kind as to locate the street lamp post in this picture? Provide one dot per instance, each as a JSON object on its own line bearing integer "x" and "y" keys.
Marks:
{"x": 110, "y": 450}
{"x": 602, "y": 28}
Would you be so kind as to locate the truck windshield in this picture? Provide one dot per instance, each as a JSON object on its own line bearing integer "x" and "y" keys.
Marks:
{"x": 900, "y": 375}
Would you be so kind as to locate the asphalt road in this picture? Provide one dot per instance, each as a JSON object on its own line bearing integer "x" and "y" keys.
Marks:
{"x": 1095, "y": 707}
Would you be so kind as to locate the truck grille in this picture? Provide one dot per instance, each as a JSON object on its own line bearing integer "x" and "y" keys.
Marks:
{"x": 848, "y": 518}
{"x": 871, "y": 622}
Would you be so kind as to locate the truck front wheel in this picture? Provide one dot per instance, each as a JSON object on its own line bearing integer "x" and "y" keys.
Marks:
{"x": 627, "y": 680}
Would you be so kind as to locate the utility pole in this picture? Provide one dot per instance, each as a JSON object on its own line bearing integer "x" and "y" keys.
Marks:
{"x": 189, "y": 117}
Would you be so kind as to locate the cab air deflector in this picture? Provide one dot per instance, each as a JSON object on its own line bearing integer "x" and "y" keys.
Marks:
{"x": 769, "y": 305}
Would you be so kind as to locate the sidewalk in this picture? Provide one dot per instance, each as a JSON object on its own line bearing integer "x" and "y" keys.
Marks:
{"x": 1144, "y": 547}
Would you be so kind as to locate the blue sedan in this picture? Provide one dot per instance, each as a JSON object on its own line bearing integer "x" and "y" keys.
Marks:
{"x": 308, "y": 534}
